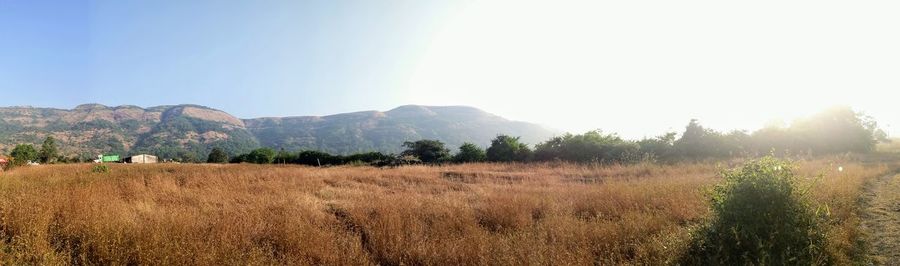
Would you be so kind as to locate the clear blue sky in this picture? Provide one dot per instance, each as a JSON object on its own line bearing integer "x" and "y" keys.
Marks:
{"x": 639, "y": 68}
{"x": 250, "y": 58}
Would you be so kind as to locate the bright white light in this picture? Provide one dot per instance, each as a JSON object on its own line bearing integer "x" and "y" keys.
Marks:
{"x": 645, "y": 67}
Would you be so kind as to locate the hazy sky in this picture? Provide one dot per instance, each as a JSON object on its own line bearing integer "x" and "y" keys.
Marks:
{"x": 634, "y": 67}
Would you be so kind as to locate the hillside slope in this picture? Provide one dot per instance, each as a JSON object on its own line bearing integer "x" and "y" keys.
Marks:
{"x": 190, "y": 131}
{"x": 386, "y": 131}
{"x": 183, "y": 131}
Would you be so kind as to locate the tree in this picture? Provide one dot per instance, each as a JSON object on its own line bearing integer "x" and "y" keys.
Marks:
{"x": 508, "y": 149}
{"x": 735, "y": 143}
{"x": 187, "y": 156}
{"x": 284, "y": 157}
{"x": 659, "y": 148}
{"x": 261, "y": 156}
{"x": 470, "y": 153}
{"x": 593, "y": 146}
{"x": 49, "y": 151}
{"x": 429, "y": 151}
{"x": 23, "y": 153}
{"x": 217, "y": 155}
{"x": 316, "y": 158}
{"x": 773, "y": 139}
{"x": 838, "y": 130}
{"x": 698, "y": 142}
{"x": 241, "y": 158}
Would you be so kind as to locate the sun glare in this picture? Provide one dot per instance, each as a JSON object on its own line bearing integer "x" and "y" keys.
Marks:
{"x": 565, "y": 63}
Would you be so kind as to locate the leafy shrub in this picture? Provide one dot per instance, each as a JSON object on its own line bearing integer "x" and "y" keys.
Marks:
{"x": 316, "y": 158}
{"x": 837, "y": 130}
{"x": 240, "y": 158}
{"x": 49, "y": 152}
{"x": 660, "y": 148}
{"x": 284, "y": 157}
{"x": 261, "y": 156}
{"x": 698, "y": 142}
{"x": 100, "y": 169}
{"x": 217, "y": 155}
{"x": 508, "y": 149}
{"x": 429, "y": 151}
{"x": 761, "y": 217}
{"x": 593, "y": 146}
{"x": 470, "y": 153}
{"x": 23, "y": 153}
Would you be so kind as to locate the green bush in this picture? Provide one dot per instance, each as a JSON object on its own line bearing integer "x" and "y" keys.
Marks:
{"x": 261, "y": 156}
{"x": 49, "y": 151}
{"x": 22, "y": 154}
{"x": 469, "y": 153}
{"x": 593, "y": 146}
{"x": 217, "y": 155}
{"x": 508, "y": 149}
{"x": 660, "y": 148}
{"x": 317, "y": 158}
{"x": 427, "y": 150}
{"x": 760, "y": 217}
{"x": 100, "y": 169}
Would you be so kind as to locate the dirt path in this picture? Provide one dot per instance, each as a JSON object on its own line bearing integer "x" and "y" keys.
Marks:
{"x": 881, "y": 219}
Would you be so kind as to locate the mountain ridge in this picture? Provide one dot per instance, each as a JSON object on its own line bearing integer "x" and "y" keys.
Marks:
{"x": 189, "y": 131}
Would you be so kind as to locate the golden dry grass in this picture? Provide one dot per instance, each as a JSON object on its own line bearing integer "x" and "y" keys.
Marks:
{"x": 837, "y": 194}
{"x": 893, "y": 146}
{"x": 475, "y": 214}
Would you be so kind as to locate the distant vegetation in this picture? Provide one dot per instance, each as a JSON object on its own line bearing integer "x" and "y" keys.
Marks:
{"x": 187, "y": 133}
{"x": 428, "y": 151}
{"x": 508, "y": 149}
{"x": 22, "y": 154}
{"x": 26, "y": 153}
{"x": 838, "y": 130}
{"x": 593, "y": 146}
{"x": 470, "y": 153}
{"x": 386, "y": 132}
{"x": 161, "y": 141}
{"x": 217, "y": 155}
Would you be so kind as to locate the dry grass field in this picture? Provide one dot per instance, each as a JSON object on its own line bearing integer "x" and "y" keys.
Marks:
{"x": 497, "y": 214}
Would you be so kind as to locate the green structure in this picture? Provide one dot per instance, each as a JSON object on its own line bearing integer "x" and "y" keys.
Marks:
{"x": 110, "y": 158}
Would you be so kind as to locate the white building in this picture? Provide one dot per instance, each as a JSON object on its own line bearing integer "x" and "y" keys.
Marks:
{"x": 142, "y": 158}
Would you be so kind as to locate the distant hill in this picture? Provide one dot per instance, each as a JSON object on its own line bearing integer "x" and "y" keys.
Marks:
{"x": 386, "y": 131}
{"x": 190, "y": 131}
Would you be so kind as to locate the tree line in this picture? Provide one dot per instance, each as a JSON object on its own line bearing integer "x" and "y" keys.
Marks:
{"x": 426, "y": 151}
{"x": 23, "y": 154}
{"x": 837, "y": 130}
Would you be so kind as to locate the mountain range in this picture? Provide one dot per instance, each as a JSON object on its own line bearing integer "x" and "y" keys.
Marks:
{"x": 189, "y": 132}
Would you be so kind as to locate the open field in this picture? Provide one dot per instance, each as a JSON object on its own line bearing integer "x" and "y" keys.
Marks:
{"x": 508, "y": 214}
